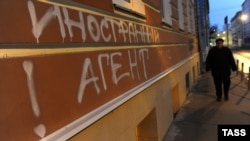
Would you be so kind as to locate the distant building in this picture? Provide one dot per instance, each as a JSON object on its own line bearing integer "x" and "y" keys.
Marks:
{"x": 226, "y": 37}
{"x": 246, "y": 23}
{"x": 236, "y": 28}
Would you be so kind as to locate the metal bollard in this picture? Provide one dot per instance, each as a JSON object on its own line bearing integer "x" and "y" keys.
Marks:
{"x": 242, "y": 72}
{"x": 237, "y": 64}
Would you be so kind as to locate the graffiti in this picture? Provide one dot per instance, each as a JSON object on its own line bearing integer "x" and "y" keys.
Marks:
{"x": 38, "y": 26}
{"x": 88, "y": 77}
{"x": 141, "y": 52}
{"x": 84, "y": 81}
{"x": 133, "y": 64}
{"x": 110, "y": 61}
{"x": 28, "y": 67}
{"x": 95, "y": 71}
{"x": 106, "y": 29}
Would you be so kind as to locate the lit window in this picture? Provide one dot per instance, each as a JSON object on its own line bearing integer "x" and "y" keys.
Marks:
{"x": 133, "y": 5}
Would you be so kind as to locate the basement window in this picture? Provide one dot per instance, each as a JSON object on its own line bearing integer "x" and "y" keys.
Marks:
{"x": 147, "y": 129}
{"x": 187, "y": 80}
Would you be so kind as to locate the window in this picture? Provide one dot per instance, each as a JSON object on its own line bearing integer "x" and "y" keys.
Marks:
{"x": 133, "y": 5}
{"x": 181, "y": 15}
{"x": 188, "y": 17}
{"x": 192, "y": 17}
{"x": 187, "y": 80}
{"x": 166, "y": 12}
{"x": 193, "y": 21}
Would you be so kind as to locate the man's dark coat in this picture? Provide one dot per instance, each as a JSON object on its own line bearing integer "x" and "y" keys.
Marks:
{"x": 220, "y": 61}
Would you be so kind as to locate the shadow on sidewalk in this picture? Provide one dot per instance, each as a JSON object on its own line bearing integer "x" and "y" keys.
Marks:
{"x": 239, "y": 89}
{"x": 200, "y": 114}
{"x": 204, "y": 86}
{"x": 191, "y": 126}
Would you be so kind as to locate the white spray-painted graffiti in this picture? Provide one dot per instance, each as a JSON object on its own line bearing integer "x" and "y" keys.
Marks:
{"x": 115, "y": 66}
{"x": 137, "y": 60}
{"x": 28, "y": 67}
{"x": 88, "y": 76}
{"x": 106, "y": 29}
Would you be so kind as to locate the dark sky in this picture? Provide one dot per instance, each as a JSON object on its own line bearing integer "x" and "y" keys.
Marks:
{"x": 221, "y": 8}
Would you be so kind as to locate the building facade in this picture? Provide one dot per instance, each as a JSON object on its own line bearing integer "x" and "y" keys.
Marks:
{"x": 236, "y": 28}
{"x": 203, "y": 27}
{"x": 95, "y": 70}
{"x": 246, "y": 23}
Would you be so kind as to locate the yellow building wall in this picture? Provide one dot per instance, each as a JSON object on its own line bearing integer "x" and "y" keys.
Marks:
{"x": 156, "y": 101}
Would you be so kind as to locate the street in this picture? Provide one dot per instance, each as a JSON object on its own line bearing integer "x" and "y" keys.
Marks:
{"x": 243, "y": 57}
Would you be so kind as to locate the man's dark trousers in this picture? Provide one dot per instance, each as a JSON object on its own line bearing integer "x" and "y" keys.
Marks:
{"x": 218, "y": 81}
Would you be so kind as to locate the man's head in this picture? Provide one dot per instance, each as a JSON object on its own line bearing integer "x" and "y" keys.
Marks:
{"x": 219, "y": 42}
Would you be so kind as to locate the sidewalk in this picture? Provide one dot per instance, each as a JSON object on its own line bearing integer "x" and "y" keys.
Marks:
{"x": 200, "y": 114}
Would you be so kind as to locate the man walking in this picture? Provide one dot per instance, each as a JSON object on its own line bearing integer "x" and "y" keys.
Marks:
{"x": 220, "y": 61}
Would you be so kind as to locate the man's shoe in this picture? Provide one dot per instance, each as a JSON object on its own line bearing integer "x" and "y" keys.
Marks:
{"x": 218, "y": 99}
